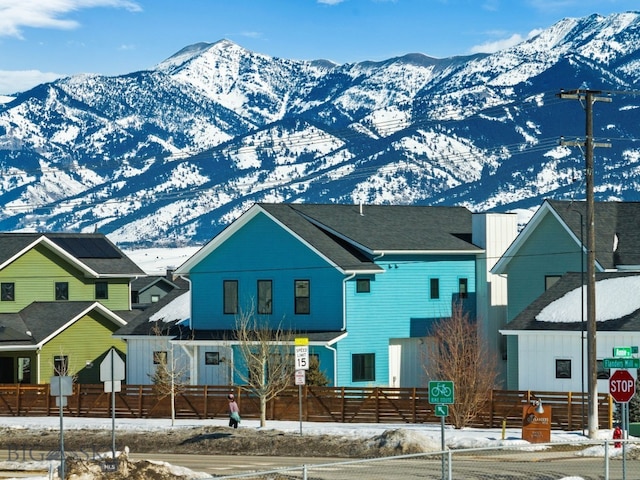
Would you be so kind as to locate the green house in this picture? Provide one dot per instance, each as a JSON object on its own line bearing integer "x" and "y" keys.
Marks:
{"x": 61, "y": 298}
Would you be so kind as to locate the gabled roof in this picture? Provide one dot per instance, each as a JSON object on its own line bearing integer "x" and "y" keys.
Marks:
{"x": 146, "y": 323}
{"x": 617, "y": 232}
{"x": 39, "y": 322}
{"x": 142, "y": 284}
{"x": 94, "y": 254}
{"x": 562, "y": 307}
{"x": 351, "y": 236}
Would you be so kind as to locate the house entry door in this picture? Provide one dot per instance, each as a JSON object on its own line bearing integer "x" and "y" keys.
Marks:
{"x": 7, "y": 370}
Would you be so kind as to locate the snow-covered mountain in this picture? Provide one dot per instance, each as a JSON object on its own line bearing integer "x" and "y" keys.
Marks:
{"x": 170, "y": 156}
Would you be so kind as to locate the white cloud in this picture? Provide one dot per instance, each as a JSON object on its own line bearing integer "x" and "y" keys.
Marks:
{"x": 22, "y": 80}
{"x": 330, "y": 2}
{"x": 501, "y": 44}
{"x": 18, "y": 14}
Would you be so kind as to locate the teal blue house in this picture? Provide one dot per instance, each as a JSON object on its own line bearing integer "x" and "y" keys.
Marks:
{"x": 364, "y": 283}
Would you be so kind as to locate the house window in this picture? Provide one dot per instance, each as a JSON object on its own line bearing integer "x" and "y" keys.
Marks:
{"x": 302, "y": 304}
{"x": 550, "y": 280}
{"x": 155, "y": 298}
{"x": 24, "y": 370}
{"x": 265, "y": 297}
{"x": 60, "y": 365}
{"x": 463, "y": 288}
{"x": 62, "y": 290}
{"x": 363, "y": 367}
{"x": 363, "y": 285}
{"x": 563, "y": 368}
{"x": 7, "y": 292}
{"x": 211, "y": 358}
{"x": 160, "y": 358}
{"x": 102, "y": 290}
{"x": 434, "y": 288}
{"x": 602, "y": 373}
{"x": 230, "y": 293}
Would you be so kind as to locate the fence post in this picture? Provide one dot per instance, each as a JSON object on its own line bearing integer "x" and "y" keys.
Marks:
{"x": 140, "y": 403}
{"x": 18, "y": 400}
{"x": 48, "y": 394}
{"x": 570, "y": 410}
{"x": 491, "y": 409}
{"x": 414, "y": 407}
{"x": 77, "y": 387}
{"x": 206, "y": 401}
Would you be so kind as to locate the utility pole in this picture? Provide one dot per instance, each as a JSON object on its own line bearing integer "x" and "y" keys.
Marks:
{"x": 589, "y": 97}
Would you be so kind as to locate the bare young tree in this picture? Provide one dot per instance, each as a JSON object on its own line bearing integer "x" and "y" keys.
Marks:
{"x": 456, "y": 352}
{"x": 171, "y": 372}
{"x": 267, "y": 357}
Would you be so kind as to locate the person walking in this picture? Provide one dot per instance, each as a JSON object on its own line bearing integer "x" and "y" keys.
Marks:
{"x": 234, "y": 412}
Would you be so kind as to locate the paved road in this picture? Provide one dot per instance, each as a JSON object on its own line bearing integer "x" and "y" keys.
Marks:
{"x": 543, "y": 466}
{"x": 230, "y": 464}
{"x": 504, "y": 466}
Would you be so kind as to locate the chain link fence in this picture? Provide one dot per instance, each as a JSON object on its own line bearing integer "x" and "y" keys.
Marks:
{"x": 587, "y": 460}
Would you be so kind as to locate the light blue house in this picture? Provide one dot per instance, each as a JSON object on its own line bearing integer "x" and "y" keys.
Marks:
{"x": 363, "y": 283}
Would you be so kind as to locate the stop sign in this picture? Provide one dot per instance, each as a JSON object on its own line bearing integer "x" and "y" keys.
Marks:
{"x": 622, "y": 386}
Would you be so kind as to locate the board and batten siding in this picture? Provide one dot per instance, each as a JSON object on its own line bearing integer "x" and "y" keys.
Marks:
{"x": 539, "y": 350}
{"x": 35, "y": 274}
{"x": 139, "y": 361}
{"x": 242, "y": 258}
{"x": 397, "y": 306}
{"x": 73, "y": 343}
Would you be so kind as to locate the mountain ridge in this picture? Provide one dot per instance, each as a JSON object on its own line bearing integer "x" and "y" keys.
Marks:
{"x": 169, "y": 156}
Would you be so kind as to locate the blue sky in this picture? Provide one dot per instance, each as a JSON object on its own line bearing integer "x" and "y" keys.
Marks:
{"x": 44, "y": 39}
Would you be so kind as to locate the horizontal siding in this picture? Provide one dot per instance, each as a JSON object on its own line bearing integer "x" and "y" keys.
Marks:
{"x": 398, "y": 297}
{"x": 73, "y": 343}
{"x": 286, "y": 259}
{"x": 36, "y": 272}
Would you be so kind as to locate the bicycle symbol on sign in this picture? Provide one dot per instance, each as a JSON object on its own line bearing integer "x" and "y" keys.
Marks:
{"x": 440, "y": 390}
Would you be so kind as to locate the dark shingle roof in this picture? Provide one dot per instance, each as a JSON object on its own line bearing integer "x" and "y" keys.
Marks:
{"x": 527, "y": 319}
{"x": 142, "y": 324}
{"x": 350, "y": 234}
{"x": 40, "y": 319}
{"x": 141, "y": 284}
{"x": 617, "y": 229}
{"x": 95, "y": 251}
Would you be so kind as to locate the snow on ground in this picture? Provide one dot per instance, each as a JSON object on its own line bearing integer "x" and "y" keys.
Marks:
{"x": 430, "y": 434}
{"x": 156, "y": 261}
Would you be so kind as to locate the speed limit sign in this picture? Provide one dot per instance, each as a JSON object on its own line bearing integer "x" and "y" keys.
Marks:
{"x": 302, "y": 353}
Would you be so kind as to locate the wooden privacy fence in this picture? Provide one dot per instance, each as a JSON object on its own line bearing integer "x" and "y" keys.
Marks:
{"x": 319, "y": 404}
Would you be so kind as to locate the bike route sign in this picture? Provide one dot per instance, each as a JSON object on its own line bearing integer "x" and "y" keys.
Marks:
{"x": 440, "y": 392}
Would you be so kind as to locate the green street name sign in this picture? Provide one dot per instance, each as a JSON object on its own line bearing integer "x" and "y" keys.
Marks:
{"x": 609, "y": 363}
{"x": 441, "y": 410}
{"x": 440, "y": 392}
{"x": 624, "y": 351}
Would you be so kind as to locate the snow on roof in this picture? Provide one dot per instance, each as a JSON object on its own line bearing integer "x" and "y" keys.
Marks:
{"x": 176, "y": 310}
{"x": 615, "y": 298}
